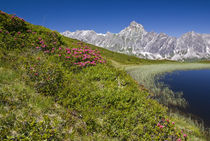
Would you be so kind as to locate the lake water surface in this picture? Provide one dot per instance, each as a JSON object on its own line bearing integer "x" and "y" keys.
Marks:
{"x": 195, "y": 84}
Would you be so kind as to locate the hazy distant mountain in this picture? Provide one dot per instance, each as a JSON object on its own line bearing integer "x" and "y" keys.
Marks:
{"x": 136, "y": 41}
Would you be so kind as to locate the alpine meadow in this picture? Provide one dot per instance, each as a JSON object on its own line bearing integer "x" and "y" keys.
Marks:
{"x": 55, "y": 88}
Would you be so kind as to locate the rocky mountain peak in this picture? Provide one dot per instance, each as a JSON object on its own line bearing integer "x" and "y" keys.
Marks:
{"x": 135, "y": 25}
{"x": 134, "y": 29}
{"x": 134, "y": 40}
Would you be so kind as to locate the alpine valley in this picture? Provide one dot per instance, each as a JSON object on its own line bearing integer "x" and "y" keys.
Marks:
{"x": 135, "y": 40}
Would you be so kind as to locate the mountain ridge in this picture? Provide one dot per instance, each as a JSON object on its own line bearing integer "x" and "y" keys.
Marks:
{"x": 135, "y": 40}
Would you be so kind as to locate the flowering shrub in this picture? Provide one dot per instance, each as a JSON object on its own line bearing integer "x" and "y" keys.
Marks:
{"x": 165, "y": 129}
{"x": 13, "y": 23}
{"x": 48, "y": 78}
{"x": 81, "y": 57}
{"x": 46, "y": 41}
{"x": 15, "y": 33}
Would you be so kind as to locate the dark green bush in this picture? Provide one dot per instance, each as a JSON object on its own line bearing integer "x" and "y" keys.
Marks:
{"x": 12, "y": 23}
{"x": 18, "y": 34}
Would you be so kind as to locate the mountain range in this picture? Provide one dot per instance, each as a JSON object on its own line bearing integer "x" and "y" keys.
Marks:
{"x": 135, "y": 40}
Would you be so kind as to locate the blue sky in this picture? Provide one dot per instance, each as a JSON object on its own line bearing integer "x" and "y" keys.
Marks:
{"x": 173, "y": 17}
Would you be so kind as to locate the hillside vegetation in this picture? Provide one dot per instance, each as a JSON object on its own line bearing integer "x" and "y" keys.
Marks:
{"x": 55, "y": 88}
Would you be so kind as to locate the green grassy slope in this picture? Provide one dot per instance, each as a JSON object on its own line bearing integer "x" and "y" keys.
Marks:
{"x": 55, "y": 88}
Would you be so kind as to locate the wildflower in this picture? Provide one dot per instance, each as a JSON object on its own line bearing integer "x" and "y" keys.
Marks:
{"x": 167, "y": 120}
{"x": 37, "y": 47}
{"x": 161, "y": 126}
{"x": 60, "y": 48}
{"x": 158, "y": 124}
{"x": 0, "y": 31}
{"x": 173, "y": 123}
{"x": 185, "y": 135}
{"x": 43, "y": 46}
{"x": 59, "y": 55}
{"x": 19, "y": 33}
{"x": 179, "y": 139}
{"x": 36, "y": 74}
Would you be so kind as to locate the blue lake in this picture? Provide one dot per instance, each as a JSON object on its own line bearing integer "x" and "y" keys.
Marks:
{"x": 195, "y": 84}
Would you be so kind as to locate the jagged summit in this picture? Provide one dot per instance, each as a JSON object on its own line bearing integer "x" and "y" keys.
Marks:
{"x": 135, "y": 24}
{"x": 134, "y": 29}
{"x": 135, "y": 40}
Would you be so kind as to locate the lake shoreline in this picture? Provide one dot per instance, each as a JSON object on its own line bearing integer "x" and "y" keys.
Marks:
{"x": 194, "y": 85}
{"x": 148, "y": 76}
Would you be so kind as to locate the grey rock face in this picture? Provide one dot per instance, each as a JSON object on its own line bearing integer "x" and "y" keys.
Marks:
{"x": 134, "y": 40}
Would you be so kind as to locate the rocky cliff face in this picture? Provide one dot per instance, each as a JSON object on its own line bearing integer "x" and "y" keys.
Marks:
{"x": 134, "y": 40}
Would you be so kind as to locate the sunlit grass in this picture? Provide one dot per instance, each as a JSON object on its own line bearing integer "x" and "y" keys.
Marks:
{"x": 188, "y": 124}
{"x": 20, "y": 104}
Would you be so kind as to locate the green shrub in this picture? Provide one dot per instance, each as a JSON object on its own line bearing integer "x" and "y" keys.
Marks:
{"x": 48, "y": 78}
{"x": 12, "y": 23}
{"x": 18, "y": 34}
